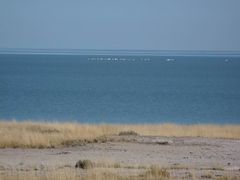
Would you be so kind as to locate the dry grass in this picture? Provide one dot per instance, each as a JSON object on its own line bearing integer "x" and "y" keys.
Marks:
{"x": 153, "y": 173}
{"x": 29, "y": 134}
{"x": 105, "y": 171}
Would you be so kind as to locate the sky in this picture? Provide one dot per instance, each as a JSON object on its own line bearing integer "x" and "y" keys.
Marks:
{"x": 212, "y": 25}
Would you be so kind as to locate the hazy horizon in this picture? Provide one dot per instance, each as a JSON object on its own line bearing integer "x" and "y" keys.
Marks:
{"x": 133, "y": 25}
{"x": 109, "y": 52}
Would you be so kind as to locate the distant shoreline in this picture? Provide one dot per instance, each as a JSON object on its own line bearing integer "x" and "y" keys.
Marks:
{"x": 118, "y": 52}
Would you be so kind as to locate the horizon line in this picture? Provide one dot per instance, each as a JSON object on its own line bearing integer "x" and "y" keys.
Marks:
{"x": 114, "y": 51}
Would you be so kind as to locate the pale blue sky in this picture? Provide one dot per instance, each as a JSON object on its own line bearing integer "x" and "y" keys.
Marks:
{"x": 121, "y": 24}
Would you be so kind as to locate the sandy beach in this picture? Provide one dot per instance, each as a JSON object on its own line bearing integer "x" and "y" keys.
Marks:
{"x": 182, "y": 157}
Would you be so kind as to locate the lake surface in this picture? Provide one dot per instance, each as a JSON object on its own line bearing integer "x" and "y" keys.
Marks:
{"x": 120, "y": 89}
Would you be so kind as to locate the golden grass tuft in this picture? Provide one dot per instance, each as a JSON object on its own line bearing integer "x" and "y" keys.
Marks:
{"x": 29, "y": 134}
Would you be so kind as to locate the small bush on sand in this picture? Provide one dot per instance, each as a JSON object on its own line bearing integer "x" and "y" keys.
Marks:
{"x": 128, "y": 133}
{"x": 85, "y": 164}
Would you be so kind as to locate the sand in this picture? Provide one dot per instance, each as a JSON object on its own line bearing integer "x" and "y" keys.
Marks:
{"x": 183, "y": 157}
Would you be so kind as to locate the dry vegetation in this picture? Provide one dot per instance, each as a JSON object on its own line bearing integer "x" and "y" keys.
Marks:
{"x": 152, "y": 173}
{"x": 29, "y": 134}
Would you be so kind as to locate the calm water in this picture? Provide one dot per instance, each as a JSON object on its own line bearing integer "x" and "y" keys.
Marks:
{"x": 140, "y": 90}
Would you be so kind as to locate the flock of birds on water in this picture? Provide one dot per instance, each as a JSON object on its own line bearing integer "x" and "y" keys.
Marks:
{"x": 117, "y": 59}
{"x": 147, "y": 59}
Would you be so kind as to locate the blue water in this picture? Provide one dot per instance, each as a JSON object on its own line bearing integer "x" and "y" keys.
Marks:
{"x": 134, "y": 89}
